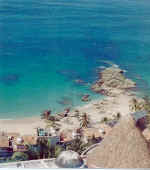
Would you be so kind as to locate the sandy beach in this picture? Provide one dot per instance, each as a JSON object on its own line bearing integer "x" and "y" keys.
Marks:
{"x": 117, "y": 101}
{"x": 97, "y": 110}
{"x": 23, "y": 126}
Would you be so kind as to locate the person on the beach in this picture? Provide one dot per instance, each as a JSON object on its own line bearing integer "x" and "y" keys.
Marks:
{"x": 10, "y": 140}
{"x": 79, "y": 132}
{"x": 67, "y": 110}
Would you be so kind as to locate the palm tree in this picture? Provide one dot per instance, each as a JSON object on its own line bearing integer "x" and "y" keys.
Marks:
{"x": 20, "y": 156}
{"x": 55, "y": 151}
{"x": 84, "y": 121}
{"x": 76, "y": 145}
{"x": 47, "y": 150}
{"x": 33, "y": 152}
{"x": 43, "y": 147}
{"x": 46, "y": 114}
{"x": 134, "y": 104}
{"x": 51, "y": 122}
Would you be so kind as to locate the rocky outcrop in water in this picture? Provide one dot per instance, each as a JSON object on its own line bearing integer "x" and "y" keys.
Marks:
{"x": 85, "y": 98}
{"x": 112, "y": 82}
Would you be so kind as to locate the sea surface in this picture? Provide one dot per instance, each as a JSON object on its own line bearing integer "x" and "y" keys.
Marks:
{"x": 47, "y": 45}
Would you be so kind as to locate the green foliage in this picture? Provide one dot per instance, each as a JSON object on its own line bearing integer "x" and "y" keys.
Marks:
{"x": 5, "y": 160}
{"x": 46, "y": 114}
{"x": 134, "y": 106}
{"x": 105, "y": 119}
{"x": 47, "y": 150}
{"x": 77, "y": 145}
{"x": 118, "y": 115}
{"x": 33, "y": 152}
{"x": 139, "y": 105}
{"x": 51, "y": 122}
{"x": 43, "y": 147}
{"x": 20, "y": 156}
{"x": 58, "y": 150}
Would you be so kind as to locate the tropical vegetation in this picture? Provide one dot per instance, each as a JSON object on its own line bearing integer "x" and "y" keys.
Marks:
{"x": 20, "y": 156}
{"x": 84, "y": 121}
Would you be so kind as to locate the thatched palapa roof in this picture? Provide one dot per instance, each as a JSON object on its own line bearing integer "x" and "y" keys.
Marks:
{"x": 124, "y": 147}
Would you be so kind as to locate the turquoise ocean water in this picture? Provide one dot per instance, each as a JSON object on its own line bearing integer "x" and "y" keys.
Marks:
{"x": 46, "y": 45}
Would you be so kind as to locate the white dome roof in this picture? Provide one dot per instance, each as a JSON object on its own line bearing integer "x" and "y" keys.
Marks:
{"x": 101, "y": 130}
{"x": 69, "y": 159}
{"x": 74, "y": 134}
{"x": 19, "y": 140}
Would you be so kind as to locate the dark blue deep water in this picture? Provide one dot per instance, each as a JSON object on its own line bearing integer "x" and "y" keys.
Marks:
{"x": 46, "y": 45}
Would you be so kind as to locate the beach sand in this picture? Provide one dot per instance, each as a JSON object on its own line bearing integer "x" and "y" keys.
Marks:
{"x": 23, "y": 126}
{"x": 96, "y": 110}
{"x": 117, "y": 100}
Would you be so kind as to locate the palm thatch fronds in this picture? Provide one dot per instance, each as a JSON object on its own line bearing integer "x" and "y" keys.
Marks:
{"x": 125, "y": 147}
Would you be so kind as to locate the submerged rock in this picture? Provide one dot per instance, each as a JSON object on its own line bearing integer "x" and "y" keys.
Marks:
{"x": 9, "y": 79}
{"x": 85, "y": 98}
{"x": 79, "y": 81}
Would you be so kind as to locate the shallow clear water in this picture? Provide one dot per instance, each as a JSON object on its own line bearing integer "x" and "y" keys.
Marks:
{"x": 46, "y": 45}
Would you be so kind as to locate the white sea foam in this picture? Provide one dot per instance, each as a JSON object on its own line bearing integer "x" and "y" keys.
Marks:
{"x": 102, "y": 67}
{"x": 115, "y": 65}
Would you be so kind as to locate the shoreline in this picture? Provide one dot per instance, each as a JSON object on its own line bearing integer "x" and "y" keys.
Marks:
{"x": 23, "y": 126}
{"x": 115, "y": 100}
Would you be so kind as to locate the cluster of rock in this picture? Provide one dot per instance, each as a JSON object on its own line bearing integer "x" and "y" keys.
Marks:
{"x": 85, "y": 98}
{"x": 112, "y": 82}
